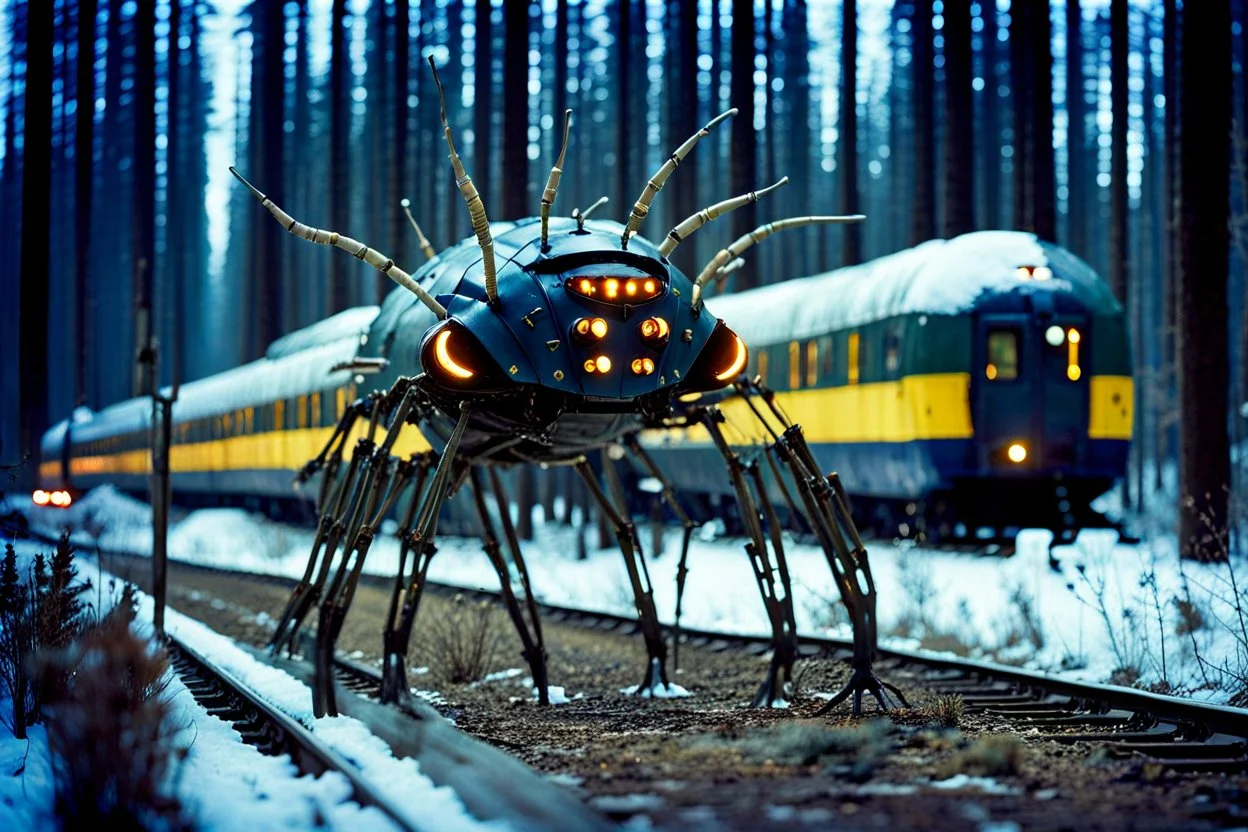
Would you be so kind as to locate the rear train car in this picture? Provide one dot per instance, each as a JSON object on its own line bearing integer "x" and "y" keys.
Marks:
{"x": 978, "y": 384}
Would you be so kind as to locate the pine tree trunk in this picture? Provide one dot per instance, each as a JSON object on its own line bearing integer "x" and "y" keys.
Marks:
{"x": 923, "y": 226}
{"x": 143, "y": 221}
{"x": 990, "y": 123}
{"x": 483, "y": 100}
{"x": 1076, "y": 134}
{"x": 402, "y": 242}
{"x": 36, "y": 233}
{"x": 1044, "y": 176}
{"x": 743, "y": 162}
{"x": 268, "y": 137}
{"x": 959, "y": 122}
{"x": 339, "y": 154}
{"x": 1203, "y": 136}
{"x": 1166, "y": 434}
{"x": 623, "y": 110}
{"x": 1021, "y": 91}
{"x": 800, "y": 139}
{"x": 1119, "y": 47}
{"x": 84, "y": 138}
{"x": 847, "y": 132}
{"x": 514, "y": 200}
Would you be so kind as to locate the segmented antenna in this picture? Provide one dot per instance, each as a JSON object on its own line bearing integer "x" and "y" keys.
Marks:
{"x": 580, "y": 216}
{"x": 642, "y": 207}
{"x": 476, "y": 208}
{"x": 757, "y": 236}
{"x": 695, "y": 221}
{"x": 332, "y": 238}
{"x": 426, "y": 247}
{"x": 552, "y": 183}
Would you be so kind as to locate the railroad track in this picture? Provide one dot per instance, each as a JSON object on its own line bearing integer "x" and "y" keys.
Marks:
{"x": 1159, "y": 732}
{"x": 268, "y": 729}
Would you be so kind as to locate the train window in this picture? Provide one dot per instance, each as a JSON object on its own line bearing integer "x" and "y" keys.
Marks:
{"x": 302, "y": 405}
{"x": 826, "y": 345}
{"x": 812, "y": 363}
{"x": 315, "y": 408}
{"x": 762, "y": 364}
{"x": 1002, "y": 355}
{"x": 249, "y": 420}
{"x": 279, "y": 414}
{"x": 795, "y": 366}
{"x": 340, "y": 402}
{"x": 852, "y": 357}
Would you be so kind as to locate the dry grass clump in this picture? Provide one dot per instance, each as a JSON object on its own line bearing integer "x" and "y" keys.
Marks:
{"x": 947, "y": 711}
{"x": 992, "y": 755}
{"x": 460, "y": 645}
{"x": 110, "y": 730}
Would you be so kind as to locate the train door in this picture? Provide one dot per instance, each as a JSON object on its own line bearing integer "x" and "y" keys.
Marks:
{"x": 1064, "y": 344}
{"x": 1003, "y": 389}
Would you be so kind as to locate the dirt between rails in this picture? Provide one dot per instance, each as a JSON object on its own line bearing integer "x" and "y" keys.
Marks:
{"x": 710, "y": 762}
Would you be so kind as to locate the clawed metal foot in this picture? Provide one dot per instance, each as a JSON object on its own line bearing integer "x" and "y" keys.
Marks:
{"x": 864, "y": 681}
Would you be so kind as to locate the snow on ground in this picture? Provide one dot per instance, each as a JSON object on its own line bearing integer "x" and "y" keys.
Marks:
{"x": 1098, "y": 610}
{"x": 263, "y": 792}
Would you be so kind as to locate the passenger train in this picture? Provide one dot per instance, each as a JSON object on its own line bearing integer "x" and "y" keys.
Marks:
{"x": 982, "y": 381}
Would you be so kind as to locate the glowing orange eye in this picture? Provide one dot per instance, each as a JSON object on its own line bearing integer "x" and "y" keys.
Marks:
{"x": 630, "y": 288}
{"x": 650, "y": 287}
{"x": 603, "y": 363}
{"x": 613, "y": 288}
{"x": 643, "y": 366}
{"x": 587, "y": 288}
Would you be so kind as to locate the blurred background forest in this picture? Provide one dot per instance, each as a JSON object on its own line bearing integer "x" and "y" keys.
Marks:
{"x": 932, "y": 117}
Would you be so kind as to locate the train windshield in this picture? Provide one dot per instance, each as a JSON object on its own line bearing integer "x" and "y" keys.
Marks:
{"x": 1002, "y": 355}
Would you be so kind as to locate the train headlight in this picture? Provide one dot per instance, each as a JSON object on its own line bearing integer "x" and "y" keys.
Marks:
{"x": 1017, "y": 453}
{"x": 1055, "y": 336}
{"x": 41, "y": 497}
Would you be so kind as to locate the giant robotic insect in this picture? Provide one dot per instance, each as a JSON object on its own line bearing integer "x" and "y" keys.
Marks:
{"x": 546, "y": 341}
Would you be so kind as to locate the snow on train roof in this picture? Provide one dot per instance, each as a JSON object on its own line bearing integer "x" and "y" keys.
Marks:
{"x": 347, "y": 323}
{"x": 292, "y": 366}
{"x": 936, "y": 277}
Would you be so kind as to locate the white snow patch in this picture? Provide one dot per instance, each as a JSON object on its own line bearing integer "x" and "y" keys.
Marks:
{"x": 657, "y": 691}
{"x": 627, "y": 803}
{"x": 558, "y": 695}
{"x": 987, "y": 785}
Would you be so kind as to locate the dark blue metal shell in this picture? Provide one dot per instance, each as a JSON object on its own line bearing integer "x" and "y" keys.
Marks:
{"x": 528, "y": 330}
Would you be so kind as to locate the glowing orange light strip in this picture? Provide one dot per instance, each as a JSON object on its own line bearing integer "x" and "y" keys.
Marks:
{"x": 738, "y": 363}
{"x": 443, "y": 355}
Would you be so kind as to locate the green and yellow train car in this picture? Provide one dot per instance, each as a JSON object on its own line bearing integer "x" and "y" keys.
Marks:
{"x": 979, "y": 382}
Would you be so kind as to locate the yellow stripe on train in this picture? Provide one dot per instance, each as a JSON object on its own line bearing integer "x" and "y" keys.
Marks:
{"x": 273, "y": 450}
{"x": 913, "y": 408}
{"x": 1111, "y": 407}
